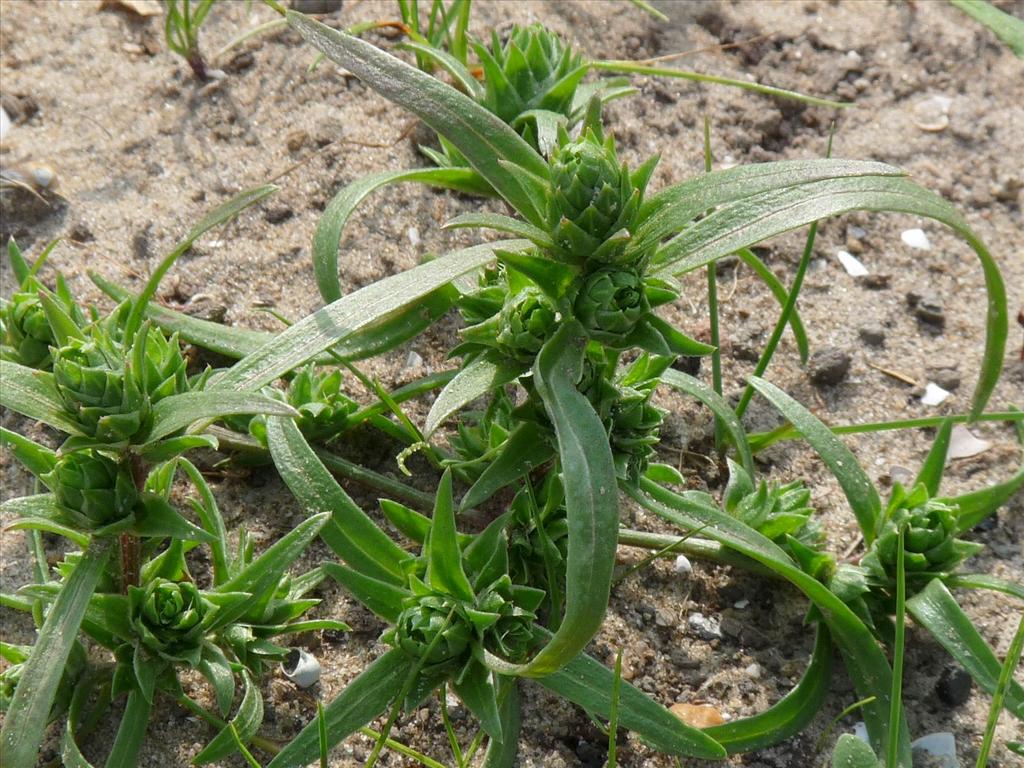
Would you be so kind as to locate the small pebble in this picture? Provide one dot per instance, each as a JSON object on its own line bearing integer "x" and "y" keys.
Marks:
{"x": 851, "y": 264}
{"x": 872, "y": 335}
{"x": 828, "y": 366}
{"x": 954, "y": 685}
{"x": 875, "y": 281}
{"x": 683, "y": 564}
{"x": 278, "y": 214}
{"x": 916, "y": 238}
{"x": 5, "y": 123}
{"x": 741, "y": 605}
{"x": 753, "y": 671}
{"x": 697, "y": 715}
{"x": 706, "y": 627}
{"x": 933, "y": 394}
{"x": 936, "y": 750}
{"x": 947, "y": 378}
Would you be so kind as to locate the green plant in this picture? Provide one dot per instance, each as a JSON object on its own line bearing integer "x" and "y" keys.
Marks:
{"x": 120, "y": 392}
{"x": 182, "y": 22}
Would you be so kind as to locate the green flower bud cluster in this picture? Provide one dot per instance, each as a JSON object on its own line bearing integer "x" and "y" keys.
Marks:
{"x": 930, "y": 545}
{"x": 633, "y": 432}
{"x": 519, "y": 330}
{"x": 92, "y": 489}
{"x": 594, "y": 203}
{"x": 170, "y": 619}
{"x": 323, "y": 406}
{"x": 109, "y": 390}
{"x": 776, "y": 511}
{"x": 611, "y": 303}
{"x": 27, "y": 336}
{"x": 534, "y": 69}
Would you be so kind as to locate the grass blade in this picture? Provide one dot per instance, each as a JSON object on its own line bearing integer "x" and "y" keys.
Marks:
{"x": 781, "y": 295}
{"x": 1007, "y": 28}
{"x": 29, "y": 709}
{"x": 1005, "y": 678}
{"x": 354, "y": 313}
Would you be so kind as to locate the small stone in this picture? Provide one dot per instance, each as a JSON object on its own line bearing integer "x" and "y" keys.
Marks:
{"x": 663, "y": 618}
{"x": 683, "y": 564}
{"x": 741, "y": 605}
{"x": 936, "y": 750}
{"x": 828, "y": 366}
{"x": 316, "y": 6}
{"x": 947, "y": 378}
{"x": 954, "y": 685}
{"x": 697, "y": 715}
{"x": 851, "y": 264}
{"x": 240, "y": 62}
{"x": 875, "y": 281}
{"x": 414, "y": 236}
{"x": 872, "y": 335}
{"x": 754, "y": 671}
{"x": 295, "y": 140}
{"x": 203, "y": 306}
{"x": 80, "y": 233}
{"x": 687, "y": 364}
{"x": 278, "y": 214}
{"x": 929, "y": 310}
{"x": 706, "y": 627}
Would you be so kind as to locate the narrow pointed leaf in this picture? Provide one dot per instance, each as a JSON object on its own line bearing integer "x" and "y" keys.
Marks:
{"x": 246, "y": 721}
{"x": 354, "y": 313}
{"x": 36, "y": 458}
{"x": 471, "y": 382}
{"x": 32, "y": 393}
{"x": 525, "y": 450}
{"x": 179, "y": 411}
{"x": 935, "y": 462}
{"x": 860, "y": 492}
{"x": 481, "y": 136}
{"x": 444, "y": 557}
{"x": 500, "y": 223}
{"x": 781, "y": 295}
{"x": 381, "y": 597}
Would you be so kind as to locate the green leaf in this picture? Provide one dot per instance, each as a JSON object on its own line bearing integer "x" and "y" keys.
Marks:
{"x": 866, "y": 664}
{"x": 718, "y": 406}
{"x": 588, "y": 683}
{"x": 361, "y": 701}
{"x": 215, "y": 668}
{"x": 789, "y": 715}
{"x": 502, "y": 753}
{"x": 984, "y": 581}
{"x": 851, "y": 752}
{"x": 29, "y": 710}
{"x": 781, "y": 295}
{"x": 935, "y": 462}
{"x": 331, "y": 226}
{"x": 591, "y": 502}
{"x": 1008, "y": 28}
{"x": 474, "y": 380}
{"x": 460, "y": 74}
{"x": 444, "y": 558}
{"x": 354, "y": 313}
{"x": 131, "y": 731}
{"x": 179, "y": 411}
{"x": 935, "y": 609}
{"x": 165, "y": 450}
{"x": 524, "y": 450}
{"x": 481, "y": 136}
{"x": 381, "y": 597}
{"x": 213, "y": 523}
{"x": 477, "y": 690}
{"x": 1013, "y": 655}
{"x": 36, "y": 458}
{"x": 860, "y": 493}
{"x": 246, "y": 721}
{"x": 352, "y": 535}
{"x": 501, "y": 223}
{"x": 157, "y": 519}
{"x": 32, "y": 393}
{"x": 751, "y": 219}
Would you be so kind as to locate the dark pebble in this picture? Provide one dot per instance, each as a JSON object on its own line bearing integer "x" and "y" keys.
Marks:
{"x": 828, "y": 366}
{"x": 872, "y": 335}
{"x": 927, "y": 308}
{"x": 278, "y": 214}
{"x": 875, "y": 282}
{"x": 240, "y": 62}
{"x": 947, "y": 378}
{"x": 690, "y": 365}
{"x": 316, "y": 6}
{"x": 954, "y": 686}
{"x": 590, "y": 755}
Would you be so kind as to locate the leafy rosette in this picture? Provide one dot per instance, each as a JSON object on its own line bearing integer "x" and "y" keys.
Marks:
{"x": 930, "y": 545}
{"x": 170, "y": 619}
{"x": 611, "y": 303}
{"x": 26, "y": 333}
{"x": 323, "y": 406}
{"x": 91, "y": 489}
{"x": 519, "y": 330}
{"x": 776, "y": 511}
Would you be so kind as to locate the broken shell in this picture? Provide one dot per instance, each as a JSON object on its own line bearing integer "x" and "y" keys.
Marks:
{"x": 932, "y": 114}
{"x": 301, "y": 667}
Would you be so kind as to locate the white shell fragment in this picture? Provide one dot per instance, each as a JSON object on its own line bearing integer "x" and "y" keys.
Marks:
{"x": 963, "y": 443}
{"x": 933, "y": 394}
{"x": 860, "y": 730}
{"x": 941, "y": 747}
{"x": 301, "y": 667}
{"x": 414, "y": 236}
{"x": 5, "y": 123}
{"x": 932, "y": 114}
{"x": 683, "y": 564}
{"x": 851, "y": 264}
{"x": 916, "y": 238}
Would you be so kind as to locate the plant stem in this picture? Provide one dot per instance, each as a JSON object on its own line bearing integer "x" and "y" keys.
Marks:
{"x": 268, "y": 746}
{"x": 716, "y": 356}
{"x": 699, "y": 548}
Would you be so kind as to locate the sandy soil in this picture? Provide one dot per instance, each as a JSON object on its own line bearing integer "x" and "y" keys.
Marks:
{"x": 141, "y": 152}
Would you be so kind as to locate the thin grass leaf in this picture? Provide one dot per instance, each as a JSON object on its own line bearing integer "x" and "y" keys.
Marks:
{"x": 934, "y": 465}
{"x": 36, "y": 458}
{"x": 32, "y": 393}
{"x": 501, "y": 223}
{"x": 360, "y": 701}
{"x": 753, "y": 219}
{"x": 613, "y": 716}
{"x": 352, "y": 535}
{"x": 899, "y": 644}
{"x": 482, "y": 137}
{"x": 984, "y": 581}
{"x": 791, "y": 714}
{"x": 866, "y": 664}
{"x": 331, "y": 226}
{"x": 354, "y": 313}
{"x": 212, "y": 521}
{"x": 860, "y": 492}
{"x": 781, "y": 295}
{"x": 718, "y": 406}
{"x": 935, "y": 609}
{"x": 632, "y": 68}
{"x": 130, "y": 732}
{"x": 1007, "y": 28}
{"x": 1005, "y": 679}
{"x": 591, "y": 502}
{"x": 525, "y": 450}
{"x": 460, "y": 74}
{"x": 588, "y": 683}
{"x": 29, "y": 709}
